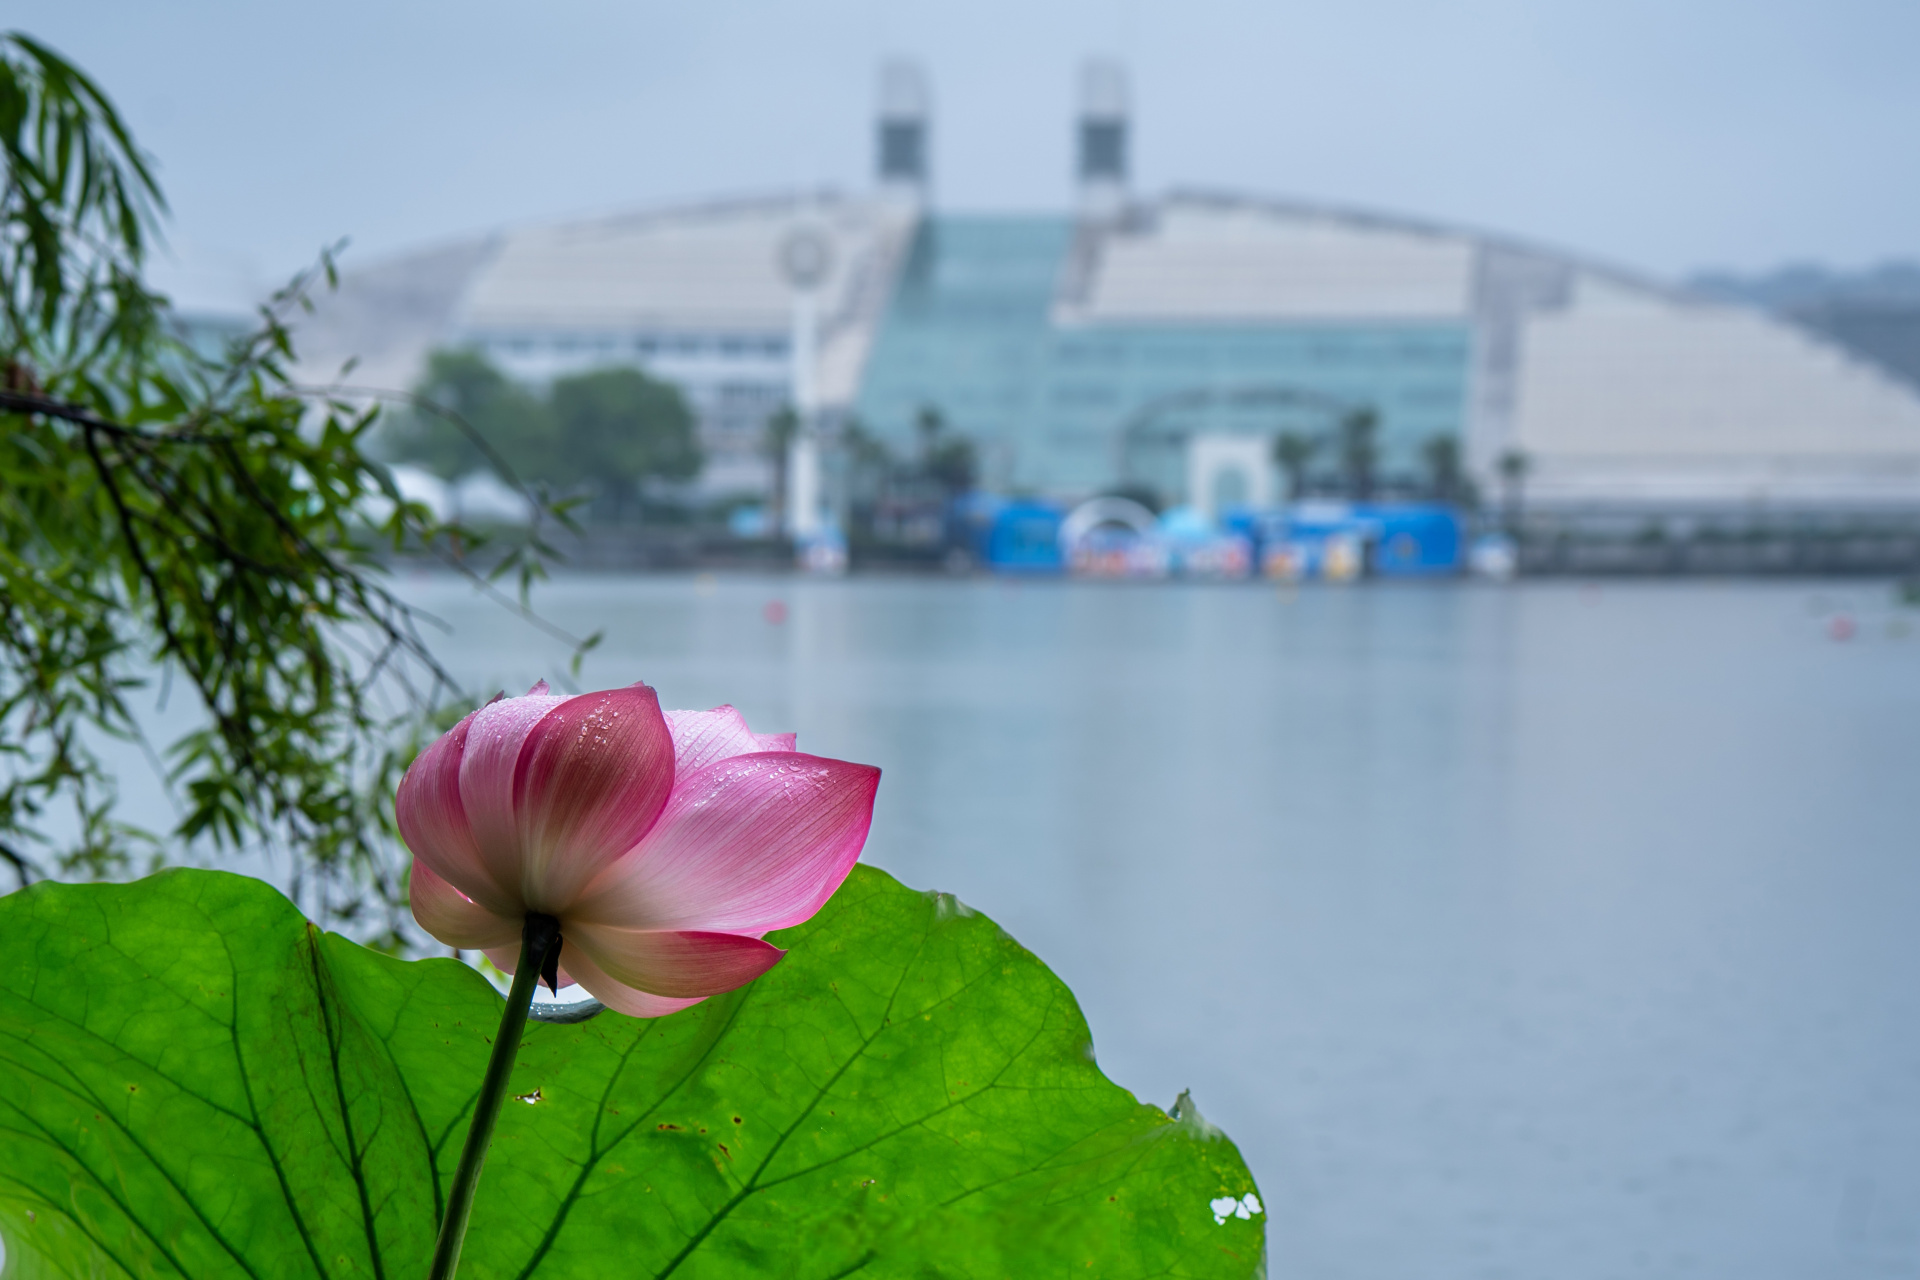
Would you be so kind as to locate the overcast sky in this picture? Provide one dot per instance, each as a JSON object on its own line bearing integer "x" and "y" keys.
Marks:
{"x": 1664, "y": 135}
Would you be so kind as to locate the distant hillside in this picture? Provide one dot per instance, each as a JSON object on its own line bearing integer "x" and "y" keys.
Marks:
{"x": 1874, "y": 313}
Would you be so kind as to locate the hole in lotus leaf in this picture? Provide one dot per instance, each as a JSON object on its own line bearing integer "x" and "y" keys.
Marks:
{"x": 529, "y": 1098}
{"x": 1227, "y": 1207}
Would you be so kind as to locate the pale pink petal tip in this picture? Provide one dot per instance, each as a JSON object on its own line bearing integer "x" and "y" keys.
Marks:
{"x": 454, "y": 918}
{"x": 539, "y": 687}
{"x": 433, "y": 822}
{"x": 489, "y": 762}
{"x": 702, "y": 737}
{"x": 675, "y": 964}
{"x": 617, "y": 995}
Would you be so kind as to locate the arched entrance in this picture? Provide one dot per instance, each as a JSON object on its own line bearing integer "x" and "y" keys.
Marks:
{"x": 1187, "y": 442}
{"x": 1095, "y": 512}
{"x": 1227, "y": 471}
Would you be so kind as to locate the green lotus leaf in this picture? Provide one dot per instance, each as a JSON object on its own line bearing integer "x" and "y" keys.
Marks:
{"x": 196, "y": 1082}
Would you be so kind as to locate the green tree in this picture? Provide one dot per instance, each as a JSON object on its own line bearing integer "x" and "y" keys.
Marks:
{"x": 1442, "y": 456}
{"x": 954, "y": 465}
{"x": 870, "y": 470}
{"x": 1360, "y": 452}
{"x": 948, "y": 459}
{"x": 928, "y": 424}
{"x": 782, "y": 426}
{"x": 1292, "y": 451}
{"x": 612, "y": 430}
{"x": 196, "y": 523}
{"x": 1514, "y": 465}
{"x": 463, "y": 389}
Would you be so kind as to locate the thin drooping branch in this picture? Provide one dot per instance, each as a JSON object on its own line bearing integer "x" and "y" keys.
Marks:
{"x": 161, "y": 506}
{"x": 47, "y": 406}
{"x": 363, "y": 594}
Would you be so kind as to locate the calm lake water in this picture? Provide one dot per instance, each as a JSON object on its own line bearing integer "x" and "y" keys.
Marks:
{"x": 1555, "y": 930}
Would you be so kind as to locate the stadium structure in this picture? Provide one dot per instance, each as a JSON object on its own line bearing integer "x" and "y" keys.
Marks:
{"x": 1158, "y": 341}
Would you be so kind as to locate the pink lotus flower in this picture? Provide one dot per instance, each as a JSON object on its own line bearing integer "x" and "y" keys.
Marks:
{"x": 665, "y": 844}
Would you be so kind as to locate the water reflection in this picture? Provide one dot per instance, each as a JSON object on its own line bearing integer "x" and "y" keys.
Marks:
{"x": 1554, "y": 931}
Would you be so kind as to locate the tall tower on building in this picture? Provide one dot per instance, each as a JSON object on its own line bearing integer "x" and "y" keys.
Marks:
{"x": 900, "y": 139}
{"x": 1103, "y": 139}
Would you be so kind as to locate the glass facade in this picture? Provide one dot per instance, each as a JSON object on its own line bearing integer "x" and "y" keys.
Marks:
{"x": 1073, "y": 409}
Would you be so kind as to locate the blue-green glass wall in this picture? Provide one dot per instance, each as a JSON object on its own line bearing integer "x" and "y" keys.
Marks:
{"x": 1074, "y": 409}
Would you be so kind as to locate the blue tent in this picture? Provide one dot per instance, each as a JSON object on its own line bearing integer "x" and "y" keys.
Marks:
{"x": 1414, "y": 541}
{"x": 1010, "y": 535}
{"x": 1024, "y": 537}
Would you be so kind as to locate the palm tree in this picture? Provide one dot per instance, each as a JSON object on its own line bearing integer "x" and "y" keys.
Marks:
{"x": 1292, "y": 450}
{"x": 782, "y": 427}
{"x": 1442, "y": 453}
{"x": 1514, "y": 465}
{"x": 1359, "y": 451}
{"x": 928, "y": 424}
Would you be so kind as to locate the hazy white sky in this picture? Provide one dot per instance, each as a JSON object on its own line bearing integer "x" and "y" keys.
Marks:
{"x": 1665, "y": 135}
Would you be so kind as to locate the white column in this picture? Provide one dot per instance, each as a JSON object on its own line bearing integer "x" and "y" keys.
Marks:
{"x": 806, "y": 258}
{"x": 803, "y": 487}
{"x": 803, "y": 451}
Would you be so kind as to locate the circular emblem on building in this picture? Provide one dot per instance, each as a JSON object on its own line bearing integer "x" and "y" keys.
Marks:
{"x": 805, "y": 257}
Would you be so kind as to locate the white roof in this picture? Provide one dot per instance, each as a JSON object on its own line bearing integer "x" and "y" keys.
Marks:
{"x": 1625, "y": 394}
{"x": 1203, "y": 260}
{"x": 702, "y": 268}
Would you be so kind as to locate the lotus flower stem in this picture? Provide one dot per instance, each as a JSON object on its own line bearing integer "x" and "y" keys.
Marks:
{"x": 538, "y": 938}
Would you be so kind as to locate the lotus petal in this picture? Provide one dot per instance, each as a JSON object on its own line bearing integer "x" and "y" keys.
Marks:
{"x": 488, "y": 767}
{"x": 434, "y": 824}
{"x": 620, "y": 997}
{"x": 702, "y": 737}
{"x": 746, "y": 845}
{"x": 593, "y": 774}
{"x": 675, "y": 964}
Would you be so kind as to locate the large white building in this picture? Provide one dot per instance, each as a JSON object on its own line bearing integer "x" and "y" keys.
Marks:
{"x": 1096, "y": 346}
